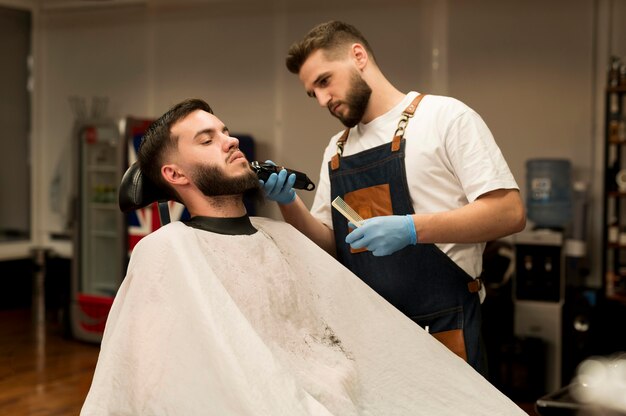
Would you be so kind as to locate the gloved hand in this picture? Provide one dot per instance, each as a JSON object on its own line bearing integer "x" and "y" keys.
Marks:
{"x": 279, "y": 187}
{"x": 384, "y": 235}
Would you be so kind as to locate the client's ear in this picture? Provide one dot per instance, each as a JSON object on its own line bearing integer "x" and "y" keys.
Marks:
{"x": 174, "y": 175}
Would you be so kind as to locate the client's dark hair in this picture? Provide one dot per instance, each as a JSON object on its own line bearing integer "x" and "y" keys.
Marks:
{"x": 331, "y": 37}
{"x": 159, "y": 140}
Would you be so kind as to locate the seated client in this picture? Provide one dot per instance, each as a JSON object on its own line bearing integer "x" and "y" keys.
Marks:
{"x": 225, "y": 314}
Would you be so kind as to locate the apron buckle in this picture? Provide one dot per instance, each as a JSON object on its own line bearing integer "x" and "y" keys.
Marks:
{"x": 475, "y": 285}
{"x": 404, "y": 120}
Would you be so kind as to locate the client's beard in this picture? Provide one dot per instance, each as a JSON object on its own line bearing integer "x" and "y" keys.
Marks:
{"x": 212, "y": 181}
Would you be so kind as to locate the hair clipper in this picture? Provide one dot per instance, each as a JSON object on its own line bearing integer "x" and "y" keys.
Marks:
{"x": 264, "y": 170}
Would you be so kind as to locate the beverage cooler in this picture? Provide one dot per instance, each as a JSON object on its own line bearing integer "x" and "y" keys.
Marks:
{"x": 103, "y": 235}
{"x": 98, "y": 265}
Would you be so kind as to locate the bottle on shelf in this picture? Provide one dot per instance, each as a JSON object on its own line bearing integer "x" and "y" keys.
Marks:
{"x": 615, "y": 71}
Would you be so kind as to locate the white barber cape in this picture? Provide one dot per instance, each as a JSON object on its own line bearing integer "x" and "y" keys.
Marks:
{"x": 268, "y": 324}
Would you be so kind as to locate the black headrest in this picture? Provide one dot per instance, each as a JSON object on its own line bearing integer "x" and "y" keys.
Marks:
{"x": 137, "y": 191}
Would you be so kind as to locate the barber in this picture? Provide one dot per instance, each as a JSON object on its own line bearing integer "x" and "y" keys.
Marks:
{"x": 424, "y": 172}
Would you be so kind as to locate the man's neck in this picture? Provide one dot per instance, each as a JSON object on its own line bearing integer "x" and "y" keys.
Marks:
{"x": 227, "y": 206}
{"x": 384, "y": 97}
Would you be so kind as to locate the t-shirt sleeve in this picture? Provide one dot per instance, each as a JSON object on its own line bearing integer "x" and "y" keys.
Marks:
{"x": 321, "y": 208}
{"x": 475, "y": 156}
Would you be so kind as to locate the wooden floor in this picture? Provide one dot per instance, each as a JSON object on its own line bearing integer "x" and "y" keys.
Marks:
{"x": 41, "y": 372}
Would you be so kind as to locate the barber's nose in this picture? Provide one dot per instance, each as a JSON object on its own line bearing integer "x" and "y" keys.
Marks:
{"x": 323, "y": 98}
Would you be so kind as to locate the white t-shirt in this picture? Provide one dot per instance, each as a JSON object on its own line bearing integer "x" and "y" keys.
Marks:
{"x": 451, "y": 159}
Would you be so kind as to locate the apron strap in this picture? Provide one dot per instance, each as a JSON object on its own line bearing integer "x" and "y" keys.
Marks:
{"x": 397, "y": 137}
{"x": 404, "y": 121}
{"x": 410, "y": 110}
{"x": 334, "y": 161}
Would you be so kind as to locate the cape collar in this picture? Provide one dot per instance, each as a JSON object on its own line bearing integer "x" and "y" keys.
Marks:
{"x": 227, "y": 226}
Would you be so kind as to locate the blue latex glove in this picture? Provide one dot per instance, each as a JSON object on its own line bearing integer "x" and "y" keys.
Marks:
{"x": 279, "y": 187}
{"x": 384, "y": 235}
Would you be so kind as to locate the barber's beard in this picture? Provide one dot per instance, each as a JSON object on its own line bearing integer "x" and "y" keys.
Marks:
{"x": 213, "y": 182}
{"x": 356, "y": 100}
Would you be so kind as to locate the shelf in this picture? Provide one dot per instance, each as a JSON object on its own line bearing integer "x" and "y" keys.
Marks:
{"x": 614, "y": 198}
{"x": 620, "y": 89}
{"x": 617, "y": 297}
{"x": 613, "y": 292}
{"x": 616, "y": 245}
{"x": 617, "y": 142}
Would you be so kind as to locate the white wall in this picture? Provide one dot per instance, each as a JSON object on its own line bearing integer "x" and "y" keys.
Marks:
{"x": 147, "y": 58}
{"x": 527, "y": 68}
{"x": 530, "y": 68}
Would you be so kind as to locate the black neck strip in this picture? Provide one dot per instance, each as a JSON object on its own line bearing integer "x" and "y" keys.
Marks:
{"x": 227, "y": 226}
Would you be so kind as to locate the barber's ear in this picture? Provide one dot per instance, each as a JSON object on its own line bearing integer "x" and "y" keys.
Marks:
{"x": 174, "y": 175}
{"x": 359, "y": 55}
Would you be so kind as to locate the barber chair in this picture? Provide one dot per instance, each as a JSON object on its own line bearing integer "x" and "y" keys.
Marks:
{"x": 136, "y": 192}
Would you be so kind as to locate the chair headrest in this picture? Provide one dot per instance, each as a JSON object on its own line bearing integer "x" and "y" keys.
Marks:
{"x": 137, "y": 191}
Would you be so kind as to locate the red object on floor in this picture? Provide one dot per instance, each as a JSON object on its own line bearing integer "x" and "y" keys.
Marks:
{"x": 94, "y": 311}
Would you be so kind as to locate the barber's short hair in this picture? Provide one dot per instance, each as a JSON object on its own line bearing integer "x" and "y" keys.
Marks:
{"x": 332, "y": 37}
{"x": 158, "y": 141}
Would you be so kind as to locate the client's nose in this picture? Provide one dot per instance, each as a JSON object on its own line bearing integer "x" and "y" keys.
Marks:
{"x": 230, "y": 142}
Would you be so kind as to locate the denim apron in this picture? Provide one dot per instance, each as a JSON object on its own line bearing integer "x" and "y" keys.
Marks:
{"x": 419, "y": 280}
